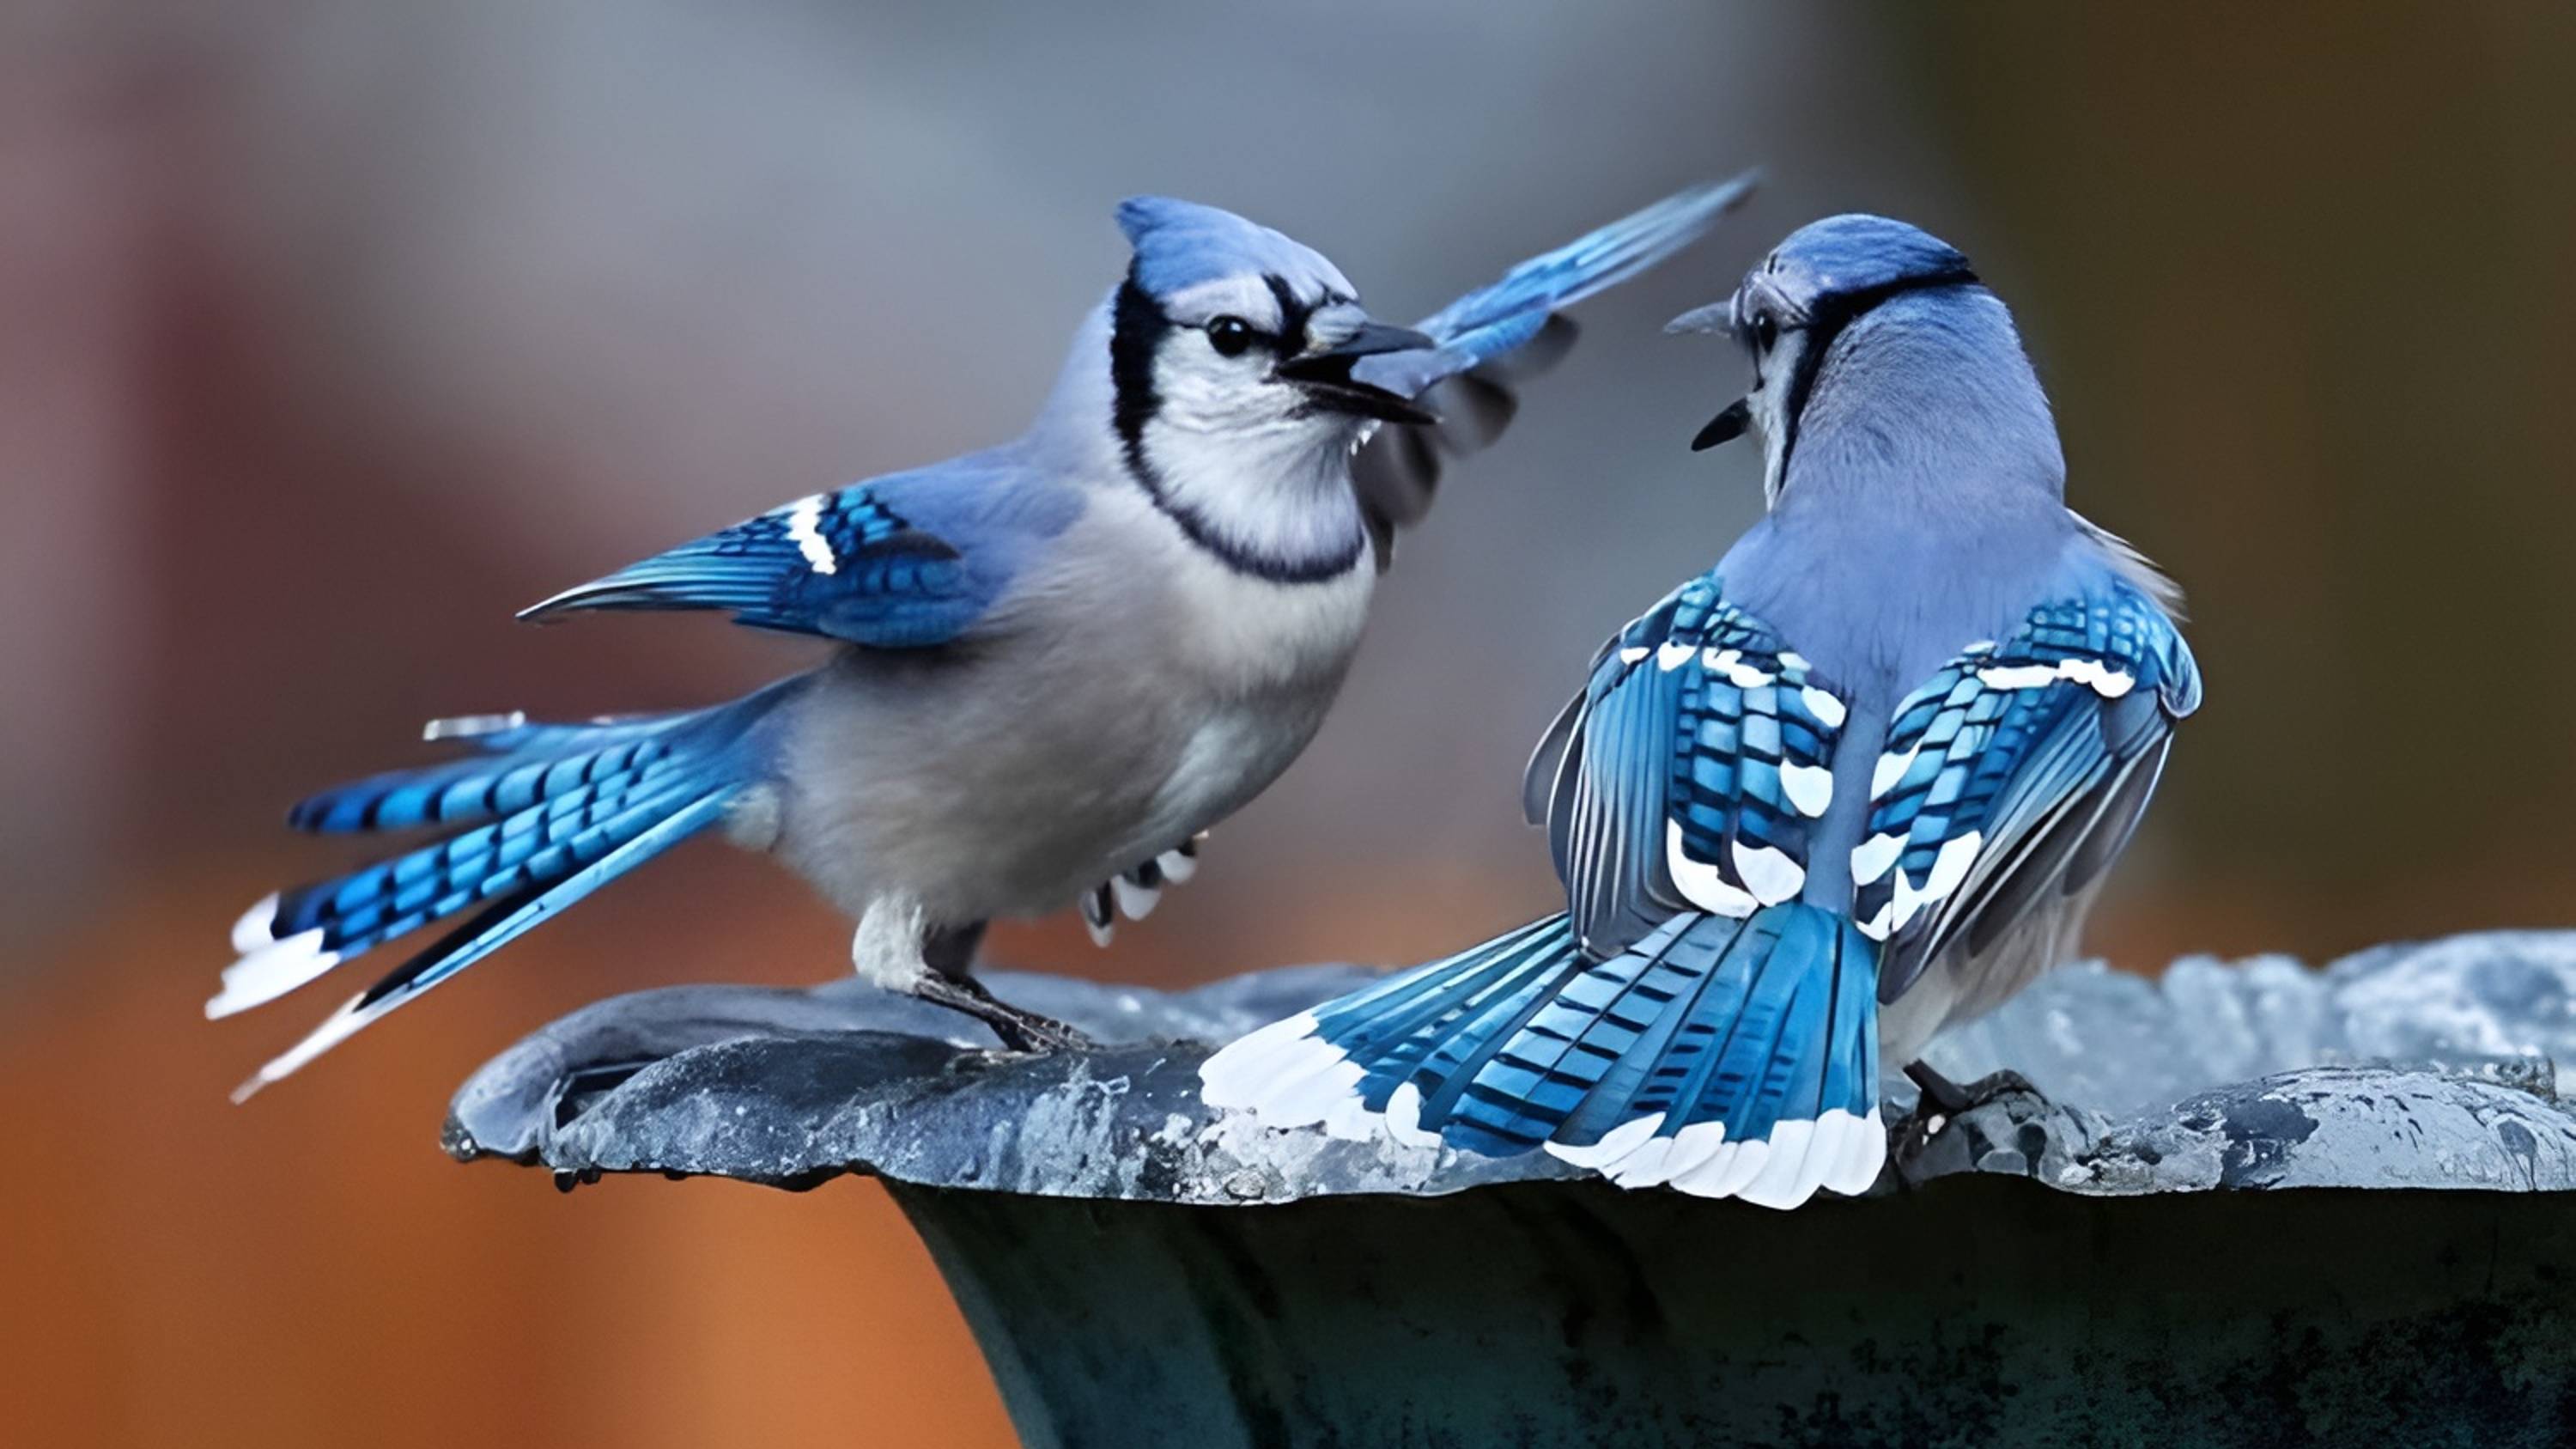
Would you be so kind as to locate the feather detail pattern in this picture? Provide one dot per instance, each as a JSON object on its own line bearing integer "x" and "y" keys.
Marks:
{"x": 1697, "y": 762}
{"x": 2014, "y": 745}
{"x": 843, "y": 564}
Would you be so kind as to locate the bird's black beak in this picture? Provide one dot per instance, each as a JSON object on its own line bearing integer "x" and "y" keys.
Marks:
{"x": 1726, "y": 427}
{"x": 1326, "y": 376}
{"x": 1718, "y": 317}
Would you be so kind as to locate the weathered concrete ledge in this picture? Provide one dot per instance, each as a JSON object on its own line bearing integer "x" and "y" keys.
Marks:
{"x": 2418, "y": 1066}
{"x": 2150, "y": 1293}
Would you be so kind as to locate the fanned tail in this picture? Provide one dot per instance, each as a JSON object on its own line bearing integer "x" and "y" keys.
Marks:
{"x": 539, "y": 815}
{"x": 1723, "y": 1057}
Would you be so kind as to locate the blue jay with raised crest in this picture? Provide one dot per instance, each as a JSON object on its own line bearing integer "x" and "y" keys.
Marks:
{"x": 1862, "y": 779}
{"x": 1056, "y": 663}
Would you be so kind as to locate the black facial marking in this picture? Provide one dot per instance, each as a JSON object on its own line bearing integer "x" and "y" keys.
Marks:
{"x": 1292, "y": 315}
{"x": 1826, "y": 320}
{"x": 1137, "y": 327}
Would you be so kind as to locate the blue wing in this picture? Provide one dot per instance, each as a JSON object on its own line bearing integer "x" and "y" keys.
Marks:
{"x": 844, "y": 564}
{"x": 1489, "y": 322}
{"x": 905, "y": 561}
{"x": 1691, "y": 771}
{"x": 1495, "y": 336}
{"x": 2016, "y": 773}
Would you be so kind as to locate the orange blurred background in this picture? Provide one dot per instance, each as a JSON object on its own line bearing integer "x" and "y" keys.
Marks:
{"x": 330, "y": 335}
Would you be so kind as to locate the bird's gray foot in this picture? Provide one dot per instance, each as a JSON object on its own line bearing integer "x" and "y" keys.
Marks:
{"x": 1997, "y": 1123}
{"x": 1943, "y": 1103}
{"x": 895, "y": 949}
{"x": 1020, "y": 1031}
{"x": 949, "y": 953}
{"x": 1949, "y": 1098}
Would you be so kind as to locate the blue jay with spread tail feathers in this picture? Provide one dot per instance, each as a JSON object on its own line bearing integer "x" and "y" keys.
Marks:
{"x": 1056, "y": 662}
{"x": 1861, "y": 779}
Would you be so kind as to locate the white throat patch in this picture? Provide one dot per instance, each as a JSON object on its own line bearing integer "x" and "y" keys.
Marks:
{"x": 1247, "y": 468}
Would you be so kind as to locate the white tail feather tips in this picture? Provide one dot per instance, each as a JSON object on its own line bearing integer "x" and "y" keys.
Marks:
{"x": 342, "y": 1025}
{"x": 1837, "y": 1152}
{"x": 1693, "y": 1146}
{"x": 256, "y": 928}
{"x": 1286, "y": 1076}
{"x": 1864, "y": 1153}
{"x": 270, "y": 972}
{"x": 1726, "y": 1171}
{"x": 1242, "y": 1073}
{"x": 1308, "y": 1088}
{"x": 1691, "y": 1151}
{"x": 1404, "y": 1118}
{"x": 1614, "y": 1146}
{"x": 1784, "y": 1181}
{"x": 1660, "y": 1158}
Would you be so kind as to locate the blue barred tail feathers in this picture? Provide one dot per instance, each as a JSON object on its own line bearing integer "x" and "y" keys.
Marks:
{"x": 537, "y": 816}
{"x": 1722, "y": 1057}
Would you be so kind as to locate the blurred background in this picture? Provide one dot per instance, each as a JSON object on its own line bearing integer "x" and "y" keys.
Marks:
{"x": 332, "y": 334}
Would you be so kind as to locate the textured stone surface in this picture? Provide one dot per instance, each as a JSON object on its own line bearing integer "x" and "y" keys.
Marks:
{"x": 2406, "y": 1066}
{"x": 2151, "y": 1298}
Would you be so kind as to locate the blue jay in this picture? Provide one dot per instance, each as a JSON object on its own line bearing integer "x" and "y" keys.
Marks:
{"x": 1861, "y": 779}
{"x": 1056, "y": 663}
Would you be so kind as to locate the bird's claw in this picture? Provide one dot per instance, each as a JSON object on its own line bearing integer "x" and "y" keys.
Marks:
{"x": 1019, "y": 1030}
{"x": 1950, "y": 1098}
{"x": 1942, "y": 1102}
{"x": 1026, "y": 1031}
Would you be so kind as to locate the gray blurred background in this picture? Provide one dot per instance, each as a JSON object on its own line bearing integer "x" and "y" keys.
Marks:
{"x": 332, "y": 334}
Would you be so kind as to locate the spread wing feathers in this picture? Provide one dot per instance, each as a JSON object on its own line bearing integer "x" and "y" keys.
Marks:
{"x": 1497, "y": 336}
{"x": 2017, "y": 772}
{"x": 1691, "y": 772}
{"x": 841, "y": 564}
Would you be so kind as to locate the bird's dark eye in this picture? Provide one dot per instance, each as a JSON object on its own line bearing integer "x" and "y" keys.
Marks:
{"x": 1766, "y": 332}
{"x": 1229, "y": 335}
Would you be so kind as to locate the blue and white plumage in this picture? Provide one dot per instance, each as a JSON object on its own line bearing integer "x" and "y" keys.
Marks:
{"x": 1861, "y": 779}
{"x": 1055, "y": 664}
